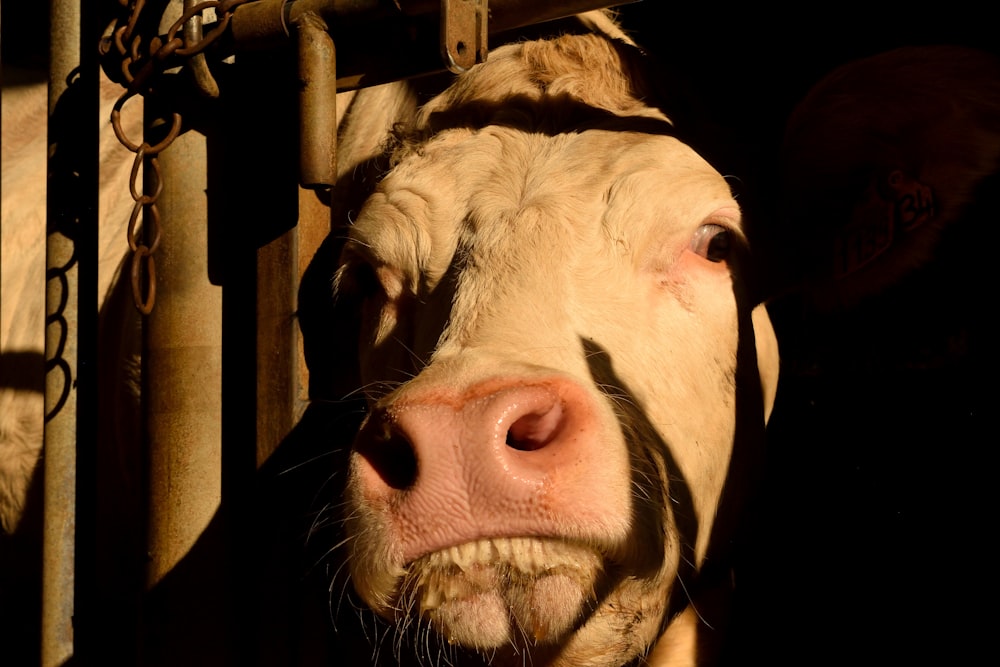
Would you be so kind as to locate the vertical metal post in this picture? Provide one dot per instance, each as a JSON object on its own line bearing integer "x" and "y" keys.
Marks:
{"x": 182, "y": 378}
{"x": 281, "y": 383}
{"x": 317, "y": 65}
{"x": 70, "y": 332}
{"x": 61, "y": 300}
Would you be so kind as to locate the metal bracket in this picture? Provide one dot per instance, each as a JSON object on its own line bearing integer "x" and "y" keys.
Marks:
{"x": 463, "y": 33}
{"x": 317, "y": 102}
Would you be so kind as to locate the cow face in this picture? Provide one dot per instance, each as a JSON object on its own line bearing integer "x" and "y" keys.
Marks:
{"x": 559, "y": 369}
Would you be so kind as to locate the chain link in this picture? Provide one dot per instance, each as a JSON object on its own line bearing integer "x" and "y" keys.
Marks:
{"x": 138, "y": 75}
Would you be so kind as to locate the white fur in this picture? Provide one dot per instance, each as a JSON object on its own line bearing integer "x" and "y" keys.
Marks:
{"x": 22, "y": 281}
{"x": 563, "y": 235}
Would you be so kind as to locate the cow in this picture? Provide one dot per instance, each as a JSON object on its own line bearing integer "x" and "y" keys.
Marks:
{"x": 545, "y": 306}
{"x": 545, "y": 309}
{"x": 23, "y": 157}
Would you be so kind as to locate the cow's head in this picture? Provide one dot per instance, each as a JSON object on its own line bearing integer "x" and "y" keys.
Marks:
{"x": 557, "y": 348}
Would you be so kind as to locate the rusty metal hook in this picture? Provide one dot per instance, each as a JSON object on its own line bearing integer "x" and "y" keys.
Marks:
{"x": 202, "y": 76}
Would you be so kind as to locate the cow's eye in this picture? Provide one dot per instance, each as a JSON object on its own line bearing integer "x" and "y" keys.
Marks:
{"x": 355, "y": 279}
{"x": 366, "y": 279}
{"x": 713, "y": 242}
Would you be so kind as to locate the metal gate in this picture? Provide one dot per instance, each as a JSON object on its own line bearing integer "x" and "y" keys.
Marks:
{"x": 238, "y": 162}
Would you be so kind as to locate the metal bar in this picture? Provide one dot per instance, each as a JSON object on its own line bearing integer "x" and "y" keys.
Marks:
{"x": 182, "y": 380}
{"x": 70, "y": 331}
{"x": 380, "y": 41}
{"x": 314, "y": 225}
{"x": 510, "y": 14}
{"x": 267, "y": 24}
{"x": 317, "y": 103}
{"x": 264, "y": 24}
{"x": 61, "y": 325}
{"x": 277, "y": 407}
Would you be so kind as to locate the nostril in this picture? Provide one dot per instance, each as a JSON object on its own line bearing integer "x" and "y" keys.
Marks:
{"x": 391, "y": 456}
{"x": 535, "y": 430}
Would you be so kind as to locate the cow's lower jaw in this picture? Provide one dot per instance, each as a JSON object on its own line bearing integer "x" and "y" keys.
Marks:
{"x": 493, "y": 593}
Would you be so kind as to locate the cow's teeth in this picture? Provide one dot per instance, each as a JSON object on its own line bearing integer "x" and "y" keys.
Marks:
{"x": 462, "y": 556}
{"x": 524, "y": 555}
{"x": 503, "y": 549}
{"x": 485, "y": 551}
{"x": 430, "y": 599}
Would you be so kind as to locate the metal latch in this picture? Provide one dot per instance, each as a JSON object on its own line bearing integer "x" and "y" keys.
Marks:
{"x": 463, "y": 33}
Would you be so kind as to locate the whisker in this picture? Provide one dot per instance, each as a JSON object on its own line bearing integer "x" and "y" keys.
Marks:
{"x": 374, "y": 390}
{"x": 313, "y": 459}
{"x": 687, "y": 594}
{"x": 335, "y": 611}
{"x": 418, "y": 362}
{"x": 335, "y": 547}
{"x": 327, "y": 516}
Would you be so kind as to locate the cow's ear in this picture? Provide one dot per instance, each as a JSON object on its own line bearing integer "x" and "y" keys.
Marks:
{"x": 329, "y": 316}
{"x": 767, "y": 357}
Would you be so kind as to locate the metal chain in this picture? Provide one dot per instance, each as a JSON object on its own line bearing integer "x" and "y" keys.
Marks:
{"x": 139, "y": 75}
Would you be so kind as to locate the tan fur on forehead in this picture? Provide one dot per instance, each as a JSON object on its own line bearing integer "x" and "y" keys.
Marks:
{"x": 590, "y": 68}
{"x": 540, "y": 86}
